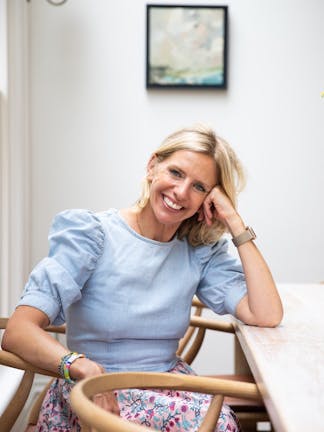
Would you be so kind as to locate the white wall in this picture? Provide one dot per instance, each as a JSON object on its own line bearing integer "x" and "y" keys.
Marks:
{"x": 93, "y": 123}
{"x": 14, "y": 152}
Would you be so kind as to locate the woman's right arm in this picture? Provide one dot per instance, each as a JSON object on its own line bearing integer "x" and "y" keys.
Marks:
{"x": 26, "y": 337}
{"x": 74, "y": 246}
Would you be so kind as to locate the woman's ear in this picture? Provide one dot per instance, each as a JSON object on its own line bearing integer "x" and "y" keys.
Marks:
{"x": 150, "y": 167}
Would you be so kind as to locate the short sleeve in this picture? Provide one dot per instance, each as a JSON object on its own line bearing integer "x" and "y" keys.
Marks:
{"x": 222, "y": 284}
{"x": 76, "y": 241}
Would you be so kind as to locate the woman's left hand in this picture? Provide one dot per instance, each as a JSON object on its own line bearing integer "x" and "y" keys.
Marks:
{"x": 218, "y": 206}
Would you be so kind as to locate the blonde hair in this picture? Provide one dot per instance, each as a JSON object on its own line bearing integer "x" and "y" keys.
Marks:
{"x": 202, "y": 139}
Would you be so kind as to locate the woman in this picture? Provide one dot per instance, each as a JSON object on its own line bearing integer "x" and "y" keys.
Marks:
{"x": 123, "y": 281}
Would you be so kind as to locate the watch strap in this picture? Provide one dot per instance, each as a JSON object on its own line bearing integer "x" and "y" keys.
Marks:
{"x": 247, "y": 235}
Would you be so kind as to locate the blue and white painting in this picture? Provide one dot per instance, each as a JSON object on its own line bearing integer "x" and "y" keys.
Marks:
{"x": 186, "y": 46}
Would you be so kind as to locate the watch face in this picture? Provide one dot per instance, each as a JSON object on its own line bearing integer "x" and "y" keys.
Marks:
{"x": 253, "y": 235}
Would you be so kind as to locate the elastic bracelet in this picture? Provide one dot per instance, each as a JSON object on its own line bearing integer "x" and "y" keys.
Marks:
{"x": 65, "y": 364}
{"x": 63, "y": 359}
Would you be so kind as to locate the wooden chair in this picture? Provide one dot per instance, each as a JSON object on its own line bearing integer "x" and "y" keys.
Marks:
{"x": 92, "y": 416}
{"x": 249, "y": 411}
{"x": 16, "y": 402}
{"x": 190, "y": 344}
{"x": 15, "y": 387}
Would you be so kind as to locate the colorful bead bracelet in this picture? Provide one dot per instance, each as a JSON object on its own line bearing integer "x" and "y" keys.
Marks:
{"x": 65, "y": 364}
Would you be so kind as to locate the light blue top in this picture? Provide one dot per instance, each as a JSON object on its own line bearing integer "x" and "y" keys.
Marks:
{"x": 127, "y": 299}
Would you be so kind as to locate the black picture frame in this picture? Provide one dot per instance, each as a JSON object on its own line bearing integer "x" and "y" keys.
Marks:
{"x": 186, "y": 46}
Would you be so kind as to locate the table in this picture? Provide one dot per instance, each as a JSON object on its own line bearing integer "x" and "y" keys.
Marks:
{"x": 287, "y": 362}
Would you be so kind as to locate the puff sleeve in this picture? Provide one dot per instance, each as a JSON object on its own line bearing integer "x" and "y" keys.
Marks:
{"x": 222, "y": 284}
{"x": 76, "y": 241}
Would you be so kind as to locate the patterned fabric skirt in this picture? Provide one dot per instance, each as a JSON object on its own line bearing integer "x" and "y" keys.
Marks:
{"x": 162, "y": 410}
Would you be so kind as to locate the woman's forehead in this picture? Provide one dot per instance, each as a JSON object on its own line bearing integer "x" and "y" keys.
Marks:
{"x": 199, "y": 165}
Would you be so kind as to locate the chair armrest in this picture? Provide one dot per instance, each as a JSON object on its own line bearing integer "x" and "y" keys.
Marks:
{"x": 212, "y": 324}
{"x": 3, "y": 323}
{"x": 197, "y": 303}
{"x": 56, "y": 329}
{"x": 12, "y": 360}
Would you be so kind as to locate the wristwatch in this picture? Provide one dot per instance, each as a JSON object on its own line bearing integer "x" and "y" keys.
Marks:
{"x": 244, "y": 237}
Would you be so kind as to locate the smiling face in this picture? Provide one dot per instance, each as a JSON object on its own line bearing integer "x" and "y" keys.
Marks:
{"x": 179, "y": 185}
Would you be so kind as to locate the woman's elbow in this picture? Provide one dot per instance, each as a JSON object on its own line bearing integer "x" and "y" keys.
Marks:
{"x": 267, "y": 316}
{"x": 270, "y": 320}
{"x": 6, "y": 342}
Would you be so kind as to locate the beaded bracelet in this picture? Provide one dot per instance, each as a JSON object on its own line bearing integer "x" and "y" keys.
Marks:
{"x": 65, "y": 364}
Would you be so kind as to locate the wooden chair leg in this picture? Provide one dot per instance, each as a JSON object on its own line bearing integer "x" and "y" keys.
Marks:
{"x": 9, "y": 417}
{"x": 210, "y": 421}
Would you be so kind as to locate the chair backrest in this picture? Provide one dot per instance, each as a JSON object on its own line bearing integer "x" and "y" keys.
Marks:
{"x": 92, "y": 416}
{"x": 16, "y": 379}
{"x": 192, "y": 340}
{"x": 190, "y": 344}
{"x": 15, "y": 386}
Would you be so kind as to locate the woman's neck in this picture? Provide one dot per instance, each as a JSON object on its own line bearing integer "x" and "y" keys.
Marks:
{"x": 144, "y": 222}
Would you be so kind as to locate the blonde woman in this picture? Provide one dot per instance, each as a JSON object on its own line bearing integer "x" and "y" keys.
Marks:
{"x": 123, "y": 281}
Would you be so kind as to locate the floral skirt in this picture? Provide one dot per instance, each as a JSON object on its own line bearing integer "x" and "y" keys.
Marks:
{"x": 162, "y": 410}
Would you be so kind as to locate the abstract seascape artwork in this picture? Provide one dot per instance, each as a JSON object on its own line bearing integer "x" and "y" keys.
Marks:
{"x": 186, "y": 46}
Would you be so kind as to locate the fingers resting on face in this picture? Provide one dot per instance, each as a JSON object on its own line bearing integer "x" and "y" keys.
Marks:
{"x": 215, "y": 206}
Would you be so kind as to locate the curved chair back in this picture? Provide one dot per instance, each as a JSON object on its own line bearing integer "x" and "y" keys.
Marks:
{"x": 15, "y": 387}
{"x": 16, "y": 379}
{"x": 92, "y": 416}
{"x": 190, "y": 344}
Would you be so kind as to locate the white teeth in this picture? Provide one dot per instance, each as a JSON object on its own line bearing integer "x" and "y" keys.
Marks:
{"x": 171, "y": 203}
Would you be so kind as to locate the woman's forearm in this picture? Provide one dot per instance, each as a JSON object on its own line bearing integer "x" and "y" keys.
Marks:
{"x": 262, "y": 306}
{"x": 26, "y": 337}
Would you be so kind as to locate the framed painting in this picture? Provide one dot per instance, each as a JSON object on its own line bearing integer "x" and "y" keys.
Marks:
{"x": 186, "y": 46}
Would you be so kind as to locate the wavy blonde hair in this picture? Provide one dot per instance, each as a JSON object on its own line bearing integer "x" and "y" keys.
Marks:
{"x": 201, "y": 138}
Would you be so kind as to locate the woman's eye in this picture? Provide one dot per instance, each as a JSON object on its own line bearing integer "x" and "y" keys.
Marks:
{"x": 199, "y": 187}
{"x": 175, "y": 172}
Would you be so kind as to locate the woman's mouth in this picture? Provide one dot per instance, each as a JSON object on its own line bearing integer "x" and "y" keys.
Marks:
{"x": 171, "y": 204}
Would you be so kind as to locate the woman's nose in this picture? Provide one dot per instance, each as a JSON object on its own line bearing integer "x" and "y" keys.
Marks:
{"x": 182, "y": 190}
